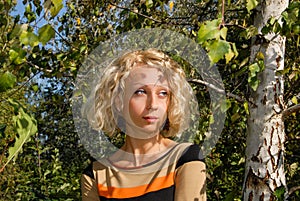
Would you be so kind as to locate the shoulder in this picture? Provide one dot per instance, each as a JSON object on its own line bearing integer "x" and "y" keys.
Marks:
{"x": 93, "y": 167}
{"x": 88, "y": 171}
{"x": 191, "y": 153}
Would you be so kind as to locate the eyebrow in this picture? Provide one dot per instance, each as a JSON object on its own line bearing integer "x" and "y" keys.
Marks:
{"x": 155, "y": 84}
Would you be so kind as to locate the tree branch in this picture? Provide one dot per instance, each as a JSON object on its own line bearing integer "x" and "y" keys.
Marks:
{"x": 15, "y": 90}
{"x": 290, "y": 110}
{"x": 207, "y": 84}
{"x": 229, "y": 94}
{"x": 293, "y": 189}
{"x": 39, "y": 68}
{"x": 235, "y": 25}
{"x": 223, "y": 13}
{"x": 128, "y": 9}
{"x": 149, "y": 17}
{"x": 294, "y": 138}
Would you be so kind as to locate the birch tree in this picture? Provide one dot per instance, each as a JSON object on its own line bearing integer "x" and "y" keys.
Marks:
{"x": 264, "y": 172}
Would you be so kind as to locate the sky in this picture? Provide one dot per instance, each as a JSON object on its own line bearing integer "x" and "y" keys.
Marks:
{"x": 20, "y": 9}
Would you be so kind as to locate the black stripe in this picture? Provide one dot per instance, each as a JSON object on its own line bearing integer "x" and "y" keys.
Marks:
{"x": 89, "y": 169}
{"x": 166, "y": 194}
{"x": 193, "y": 153}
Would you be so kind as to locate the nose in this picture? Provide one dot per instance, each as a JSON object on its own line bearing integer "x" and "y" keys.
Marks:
{"x": 152, "y": 102}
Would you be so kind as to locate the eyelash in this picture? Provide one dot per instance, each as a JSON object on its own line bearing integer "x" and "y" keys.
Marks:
{"x": 142, "y": 91}
{"x": 164, "y": 93}
{"x": 139, "y": 91}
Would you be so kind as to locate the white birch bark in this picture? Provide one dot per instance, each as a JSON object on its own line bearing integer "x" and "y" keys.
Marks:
{"x": 265, "y": 136}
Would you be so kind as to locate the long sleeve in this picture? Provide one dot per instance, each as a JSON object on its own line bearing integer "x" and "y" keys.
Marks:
{"x": 190, "y": 182}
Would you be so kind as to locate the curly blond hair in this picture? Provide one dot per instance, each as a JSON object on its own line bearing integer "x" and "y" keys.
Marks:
{"x": 112, "y": 84}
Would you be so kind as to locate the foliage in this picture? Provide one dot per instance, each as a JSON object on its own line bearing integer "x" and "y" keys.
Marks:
{"x": 41, "y": 51}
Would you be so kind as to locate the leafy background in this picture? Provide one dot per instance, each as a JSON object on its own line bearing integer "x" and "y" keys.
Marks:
{"x": 43, "y": 46}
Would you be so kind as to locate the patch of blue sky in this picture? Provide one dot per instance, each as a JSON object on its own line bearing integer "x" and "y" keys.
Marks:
{"x": 41, "y": 20}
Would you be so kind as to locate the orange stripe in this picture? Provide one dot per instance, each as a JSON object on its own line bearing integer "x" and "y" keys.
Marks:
{"x": 116, "y": 192}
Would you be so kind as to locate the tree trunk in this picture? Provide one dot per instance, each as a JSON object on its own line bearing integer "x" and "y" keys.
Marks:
{"x": 265, "y": 136}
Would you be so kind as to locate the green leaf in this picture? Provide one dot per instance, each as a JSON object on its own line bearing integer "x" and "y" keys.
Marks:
{"x": 279, "y": 193}
{"x": 17, "y": 55}
{"x": 234, "y": 117}
{"x": 22, "y": 27}
{"x": 57, "y": 6}
{"x": 251, "y": 4}
{"x": 15, "y": 32}
{"x": 249, "y": 32}
{"x": 83, "y": 48}
{"x": 211, "y": 119}
{"x": 29, "y": 14}
{"x": 253, "y": 82}
{"x": 217, "y": 49}
{"x": 26, "y": 126}
{"x": 246, "y": 107}
{"x": 29, "y": 38}
{"x": 225, "y": 105}
{"x": 229, "y": 196}
{"x": 35, "y": 87}
{"x": 149, "y": 3}
{"x": 7, "y": 81}
{"x": 229, "y": 56}
{"x": 209, "y": 30}
{"x": 254, "y": 69}
{"x": 14, "y": 104}
{"x": 223, "y": 32}
{"x": 294, "y": 100}
{"x": 46, "y": 32}
{"x": 252, "y": 77}
{"x": 293, "y": 168}
{"x": 260, "y": 56}
{"x": 234, "y": 49}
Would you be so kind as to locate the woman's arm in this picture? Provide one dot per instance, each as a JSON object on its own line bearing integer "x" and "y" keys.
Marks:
{"x": 190, "y": 182}
{"x": 89, "y": 189}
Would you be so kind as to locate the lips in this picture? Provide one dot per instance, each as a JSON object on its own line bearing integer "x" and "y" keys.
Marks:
{"x": 150, "y": 119}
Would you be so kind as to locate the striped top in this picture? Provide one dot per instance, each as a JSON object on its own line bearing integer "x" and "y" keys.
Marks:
{"x": 177, "y": 175}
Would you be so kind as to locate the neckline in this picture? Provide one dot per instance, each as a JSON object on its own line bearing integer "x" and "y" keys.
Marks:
{"x": 145, "y": 165}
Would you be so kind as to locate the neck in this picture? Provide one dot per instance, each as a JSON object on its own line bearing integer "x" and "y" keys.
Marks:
{"x": 143, "y": 146}
{"x": 136, "y": 152}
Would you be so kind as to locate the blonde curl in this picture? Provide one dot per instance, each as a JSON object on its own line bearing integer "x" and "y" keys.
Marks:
{"x": 110, "y": 89}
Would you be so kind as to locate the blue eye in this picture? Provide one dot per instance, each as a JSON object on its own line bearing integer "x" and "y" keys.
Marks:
{"x": 163, "y": 93}
{"x": 140, "y": 91}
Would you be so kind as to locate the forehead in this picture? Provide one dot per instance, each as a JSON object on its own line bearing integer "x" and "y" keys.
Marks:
{"x": 145, "y": 75}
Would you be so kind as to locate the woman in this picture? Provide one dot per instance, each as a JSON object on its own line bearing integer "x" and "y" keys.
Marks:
{"x": 145, "y": 95}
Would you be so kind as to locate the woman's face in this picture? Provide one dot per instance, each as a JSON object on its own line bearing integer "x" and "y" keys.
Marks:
{"x": 146, "y": 100}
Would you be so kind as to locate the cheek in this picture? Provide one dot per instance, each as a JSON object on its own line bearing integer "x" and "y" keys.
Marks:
{"x": 136, "y": 106}
{"x": 126, "y": 107}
